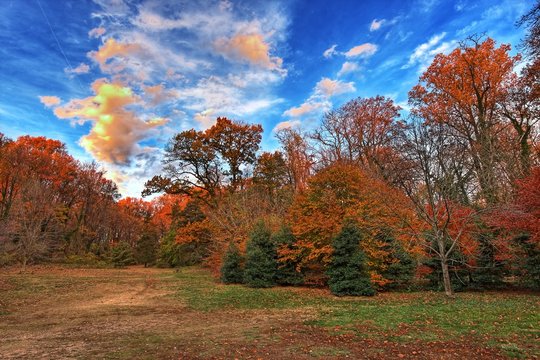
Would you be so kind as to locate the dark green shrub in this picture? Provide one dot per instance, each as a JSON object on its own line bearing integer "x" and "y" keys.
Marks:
{"x": 86, "y": 260}
{"x": 231, "y": 270}
{"x": 261, "y": 258}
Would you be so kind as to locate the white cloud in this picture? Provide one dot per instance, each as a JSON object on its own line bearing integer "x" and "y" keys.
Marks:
{"x": 81, "y": 69}
{"x": 288, "y": 124}
{"x": 328, "y": 53}
{"x": 50, "y": 101}
{"x": 363, "y": 50}
{"x": 306, "y": 108}
{"x": 181, "y": 78}
{"x": 96, "y": 32}
{"x": 251, "y": 48}
{"x": 328, "y": 87}
{"x": 376, "y": 24}
{"x": 348, "y": 67}
{"x": 424, "y": 53}
{"x": 116, "y": 129}
{"x": 319, "y": 101}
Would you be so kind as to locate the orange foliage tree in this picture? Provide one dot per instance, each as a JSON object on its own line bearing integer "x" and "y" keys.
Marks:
{"x": 464, "y": 90}
{"x": 338, "y": 192}
{"x": 363, "y": 131}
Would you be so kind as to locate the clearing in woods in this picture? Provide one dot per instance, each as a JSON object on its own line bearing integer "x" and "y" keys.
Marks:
{"x": 139, "y": 313}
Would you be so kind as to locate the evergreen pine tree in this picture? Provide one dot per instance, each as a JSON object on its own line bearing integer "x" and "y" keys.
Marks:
{"x": 122, "y": 255}
{"x": 261, "y": 262}
{"x": 146, "y": 248}
{"x": 530, "y": 266}
{"x": 286, "y": 272}
{"x": 231, "y": 270}
{"x": 401, "y": 270}
{"x": 347, "y": 272}
{"x": 169, "y": 251}
{"x": 489, "y": 272}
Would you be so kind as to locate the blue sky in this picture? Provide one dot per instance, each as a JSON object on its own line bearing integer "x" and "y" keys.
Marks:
{"x": 115, "y": 79}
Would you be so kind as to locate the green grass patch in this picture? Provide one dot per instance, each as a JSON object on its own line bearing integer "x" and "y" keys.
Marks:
{"x": 201, "y": 292}
{"x": 404, "y": 317}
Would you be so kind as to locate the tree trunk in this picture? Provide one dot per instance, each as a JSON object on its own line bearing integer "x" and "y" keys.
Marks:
{"x": 446, "y": 278}
{"x": 441, "y": 244}
{"x": 24, "y": 262}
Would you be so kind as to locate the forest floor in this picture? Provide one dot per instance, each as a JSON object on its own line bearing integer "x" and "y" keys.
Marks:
{"x": 138, "y": 313}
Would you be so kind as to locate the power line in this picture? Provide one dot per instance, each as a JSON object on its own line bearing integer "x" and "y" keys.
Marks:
{"x": 58, "y": 43}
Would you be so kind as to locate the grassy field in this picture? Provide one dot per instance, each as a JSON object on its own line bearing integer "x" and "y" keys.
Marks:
{"x": 137, "y": 313}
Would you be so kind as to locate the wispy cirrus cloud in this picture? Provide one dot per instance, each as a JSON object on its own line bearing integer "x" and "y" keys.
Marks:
{"x": 331, "y": 51}
{"x": 97, "y": 32}
{"x": 424, "y": 53}
{"x": 82, "y": 68}
{"x": 376, "y": 24}
{"x": 318, "y": 102}
{"x": 348, "y": 67}
{"x": 362, "y": 50}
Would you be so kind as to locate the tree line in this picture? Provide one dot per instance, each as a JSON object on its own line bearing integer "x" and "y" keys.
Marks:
{"x": 445, "y": 194}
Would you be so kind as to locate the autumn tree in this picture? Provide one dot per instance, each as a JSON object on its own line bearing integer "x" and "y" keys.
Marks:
{"x": 361, "y": 132}
{"x": 518, "y": 240}
{"x": 464, "y": 90}
{"x": 335, "y": 193}
{"x": 199, "y": 160}
{"x": 298, "y": 159}
{"x": 433, "y": 187}
{"x": 7, "y": 187}
{"x": 521, "y": 108}
{"x": 193, "y": 233}
{"x": 31, "y": 225}
{"x": 36, "y": 186}
{"x": 531, "y": 20}
{"x": 92, "y": 202}
{"x": 190, "y": 163}
{"x": 271, "y": 171}
{"x": 237, "y": 144}
{"x": 287, "y": 273}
